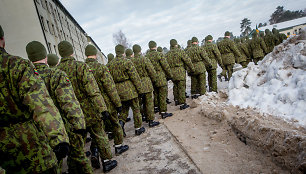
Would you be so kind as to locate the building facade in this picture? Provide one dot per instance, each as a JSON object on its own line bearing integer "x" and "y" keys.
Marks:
{"x": 47, "y": 21}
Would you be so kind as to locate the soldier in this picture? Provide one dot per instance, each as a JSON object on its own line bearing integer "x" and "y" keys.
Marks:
{"x": 147, "y": 75}
{"x": 188, "y": 45}
{"x": 62, "y": 94}
{"x": 92, "y": 103}
{"x": 262, "y": 34}
{"x": 129, "y": 53}
{"x": 159, "y": 49}
{"x": 52, "y": 60}
{"x": 269, "y": 41}
{"x": 30, "y": 124}
{"x": 110, "y": 57}
{"x": 177, "y": 60}
{"x": 244, "y": 53}
{"x": 258, "y": 48}
{"x": 276, "y": 37}
{"x": 228, "y": 52}
{"x": 199, "y": 59}
{"x": 246, "y": 42}
{"x": 110, "y": 95}
{"x": 215, "y": 57}
{"x": 163, "y": 73}
{"x": 128, "y": 86}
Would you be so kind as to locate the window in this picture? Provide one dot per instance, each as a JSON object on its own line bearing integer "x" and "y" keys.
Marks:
{"x": 47, "y": 6}
{"x": 55, "y": 49}
{"x": 48, "y": 24}
{"x": 44, "y": 4}
{"x": 49, "y": 47}
{"x": 53, "y": 30}
{"x": 51, "y": 8}
{"x": 43, "y": 23}
{"x": 37, "y": 1}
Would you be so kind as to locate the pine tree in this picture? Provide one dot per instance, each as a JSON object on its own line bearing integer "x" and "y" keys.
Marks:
{"x": 245, "y": 26}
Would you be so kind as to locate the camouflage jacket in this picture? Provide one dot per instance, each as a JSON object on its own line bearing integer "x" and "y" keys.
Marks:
{"x": 126, "y": 78}
{"x": 199, "y": 59}
{"x": 29, "y": 122}
{"x": 85, "y": 88}
{"x": 214, "y": 54}
{"x": 276, "y": 38}
{"x": 258, "y": 47}
{"x": 270, "y": 42}
{"x": 244, "y": 51}
{"x": 228, "y": 51}
{"x": 61, "y": 91}
{"x": 177, "y": 60}
{"x": 146, "y": 72}
{"x": 105, "y": 82}
{"x": 161, "y": 67}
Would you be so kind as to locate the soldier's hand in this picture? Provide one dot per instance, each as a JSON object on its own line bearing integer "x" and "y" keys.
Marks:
{"x": 105, "y": 115}
{"x": 119, "y": 109}
{"x": 82, "y": 132}
{"x": 61, "y": 150}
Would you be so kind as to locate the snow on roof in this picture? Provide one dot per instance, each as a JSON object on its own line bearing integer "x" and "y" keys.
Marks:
{"x": 285, "y": 24}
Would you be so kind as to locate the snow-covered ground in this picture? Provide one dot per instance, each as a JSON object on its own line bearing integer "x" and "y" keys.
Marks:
{"x": 277, "y": 85}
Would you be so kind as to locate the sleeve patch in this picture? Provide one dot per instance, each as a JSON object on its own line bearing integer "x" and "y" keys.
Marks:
{"x": 67, "y": 79}
{"x": 36, "y": 72}
{"x": 90, "y": 70}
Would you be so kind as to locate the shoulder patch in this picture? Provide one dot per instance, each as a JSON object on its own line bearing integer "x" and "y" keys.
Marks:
{"x": 35, "y": 71}
{"x": 67, "y": 79}
{"x": 90, "y": 70}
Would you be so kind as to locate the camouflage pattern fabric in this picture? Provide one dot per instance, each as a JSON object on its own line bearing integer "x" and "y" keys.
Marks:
{"x": 134, "y": 104}
{"x": 244, "y": 54}
{"x": 148, "y": 105}
{"x": 161, "y": 97}
{"x": 109, "y": 92}
{"x": 212, "y": 80}
{"x": 269, "y": 41}
{"x": 258, "y": 48}
{"x": 30, "y": 124}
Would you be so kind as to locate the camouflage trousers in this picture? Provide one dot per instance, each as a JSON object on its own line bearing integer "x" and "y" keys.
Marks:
{"x": 198, "y": 84}
{"x": 147, "y": 105}
{"x": 134, "y": 104}
{"x": 255, "y": 60}
{"x": 248, "y": 60}
{"x": 160, "y": 95}
{"x": 212, "y": 80}
{"x": 179, "y": 90}
{"x": 244, "y": 64}
{"x": 100, "y": 140}
{"x": 229, "y": 69}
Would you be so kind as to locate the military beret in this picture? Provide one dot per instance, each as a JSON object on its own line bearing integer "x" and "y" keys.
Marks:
{"x": 173, "y": 42}
{"x": 36, "y": 51}
{"x": 267, "y": 31}
{"x": 227, "y": 33}
{"x": 52, "y": 59}
{"x": 194, "y": 39}
{"x": 128, "y": 52}
{"x": 152, "y": 44}
{"x": 159, "y": 49}
{"x": 136, "y": 49}
{"x": 274, "y": 30}
{"x": 188, "y": 42}
{"x": 119, "y": 49}
{"x": 65, "y": 48}
{"x": 110, "y": 56}
{"x": 90, "y": 50}
{"x": 1, "y": 32}
{"x": 209, "y": 37}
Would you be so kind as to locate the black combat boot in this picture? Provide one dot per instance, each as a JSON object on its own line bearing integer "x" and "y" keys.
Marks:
{"x": 195, "y": 96}
{"x": 168, "y": 101}
{"x": 95, "y": 163}
{"x": 108, "y": 165}
{"x": 87, "y": 153}
{"x": 122, "y": 125}
{"x": 128, "y": 119}
{"x": 165, "y": 115}
{"x": 156, "y": 109}
{"x": 153, "y": 123}
{"x": 187, "y": 96}
{"x": 176, "y": 103}
{"x": 119, "y": 150}
{"x": 140, "y": 131}
{"x": 184, "y": 106}
{"x": 144, "y": 117}
{"x": 110, "y": 135}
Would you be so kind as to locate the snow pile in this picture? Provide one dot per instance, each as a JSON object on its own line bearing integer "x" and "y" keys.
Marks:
{"x": 277, "y": 85}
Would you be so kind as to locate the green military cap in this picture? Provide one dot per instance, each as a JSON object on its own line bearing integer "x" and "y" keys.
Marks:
{"x": 274, "y": 30}
{"x": 209, "y": 37}
{"x": 90, "y": 50}
{"x": 1, "y": 32}
{"x": 194, "y": 39}
{"x": 159, "y": 49}
{"x": 173, "y": 42}
{"x": 267, "y": 31}
{"x": 136, "y": 49}
{"x": 65, "y": 48}
{"x": 152, "y": 44}
{"x": 36, "y": 51}
{"x": 128, "y": 52}
{"x": 188, "y": 42}
{"x": 52, "y": 59}
{"x": 227, "y": 33}
{"x": 110, "y": 56}
{"x": 119, "y": 49}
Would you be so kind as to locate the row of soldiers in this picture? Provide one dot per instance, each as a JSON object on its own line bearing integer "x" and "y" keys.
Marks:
{"x": 48, "y": 107}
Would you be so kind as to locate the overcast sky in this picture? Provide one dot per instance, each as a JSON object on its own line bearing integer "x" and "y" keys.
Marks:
{"x": 162, "y": 20}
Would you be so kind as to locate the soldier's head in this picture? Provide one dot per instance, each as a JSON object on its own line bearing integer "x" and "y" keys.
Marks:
{"x": 173, "y": 43}
{"x": 194, "y": 40}
{"x": 254, "y": 35}
{"x": 152, "y": 45}
{"x": 37, "y": 52}
{"x": 119, "y": 49}
{"x": 227, "y": 34}
{"x": 91, "y": 51}
{"x": 209, "y": 38}
{"x": 267, "y": 31}
{"x": 110, "y": 57}
{"x": 2, "y": 41}
{"x": 53, "y": 60}
{"x": 65, "y": 49}
{"x": 137, "y": 49}
{"x": 189, "y": 43}
{"x": 160, "y": 49}
{"x": 129, "y": 53}
{"x": 274, "y": 31}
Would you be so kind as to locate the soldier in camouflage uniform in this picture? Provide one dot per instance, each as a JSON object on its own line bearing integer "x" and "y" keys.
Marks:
{"x": 30, "y": 124}
{"x": 92, "y": 103}
{"x": 243, "y": 51}
{"x": 163, "y": 73}
{"x": 188, "y": 45}
{"x": 228, "y": 52}
{"x": 246, "y": 43}
{"x": 147, "y": 75}
{"x": 52, "y": 60}
{"x": 109, "y": 92}
{"x": 215, "y": 57}
{"x": 177, "y": 60}
{"x": 129, "y": 86}
{"x": 269, "y": 41}
{"x": 62, "y": 94}
{"x": 258, "y": 48}
{"x": 129, "y": 53}
{"x": 199, "y": 59}
{"x": 110, "y": 57}
{"x": 276, "y": 37}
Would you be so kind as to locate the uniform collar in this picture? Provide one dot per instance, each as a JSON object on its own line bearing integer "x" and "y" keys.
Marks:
{"x": 41, "y": 66}
{"x": 63, "y": 59}
{"x": 91, "y": 60}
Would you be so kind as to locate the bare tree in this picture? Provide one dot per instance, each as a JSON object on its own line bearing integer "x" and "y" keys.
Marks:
{"x": 120, "y": 38}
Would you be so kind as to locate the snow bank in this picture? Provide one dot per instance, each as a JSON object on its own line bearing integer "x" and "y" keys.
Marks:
{"x": 277, "y": 85}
